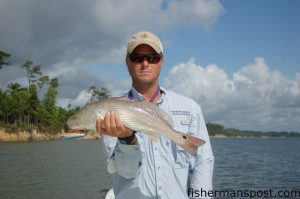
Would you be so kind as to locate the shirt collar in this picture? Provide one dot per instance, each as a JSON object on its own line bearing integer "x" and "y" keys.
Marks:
{"x": 138, "y": 96}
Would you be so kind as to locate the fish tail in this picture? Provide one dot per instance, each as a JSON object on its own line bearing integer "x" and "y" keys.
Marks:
{"x": 191, "y": 143}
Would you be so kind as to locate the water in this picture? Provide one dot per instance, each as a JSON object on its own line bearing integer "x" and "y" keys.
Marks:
{"x": 256, "y": 163}
{"x": 77, "y": 168}
{"x": 57, "y": 169}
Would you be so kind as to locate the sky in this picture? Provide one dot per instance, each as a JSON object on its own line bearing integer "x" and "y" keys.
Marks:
{"x": 239, "y": 60}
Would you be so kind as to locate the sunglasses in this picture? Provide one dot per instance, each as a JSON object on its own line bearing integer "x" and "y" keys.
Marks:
{"x": 151, "y": 58}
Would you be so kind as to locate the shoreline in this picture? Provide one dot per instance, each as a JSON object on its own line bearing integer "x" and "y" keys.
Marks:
{"x": 23, "y": 135}
{"x": 221, "y": 136}
{"x": 34, "y": 135}
{"x": 26, "y": 136}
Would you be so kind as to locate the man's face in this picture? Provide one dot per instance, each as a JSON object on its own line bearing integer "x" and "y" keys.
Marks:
{"x": 144, "y": 72}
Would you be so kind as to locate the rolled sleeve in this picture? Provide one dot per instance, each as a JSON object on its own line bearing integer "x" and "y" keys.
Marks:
{"x": 126, "y": 157}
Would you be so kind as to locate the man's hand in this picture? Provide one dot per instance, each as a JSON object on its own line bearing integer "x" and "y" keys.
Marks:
{"x": 112, "y": 125}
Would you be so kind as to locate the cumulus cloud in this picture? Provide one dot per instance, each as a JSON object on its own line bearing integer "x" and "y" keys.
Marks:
{"x": 53, "y": 31}
{"x": 80, "y": 96}
{"x": 255, "y": 97}
{"x": 203, "y": 13}
{"x": 66, "y": 36}
{"x": 150, "y": 13}
{"x": 81, "y": 99}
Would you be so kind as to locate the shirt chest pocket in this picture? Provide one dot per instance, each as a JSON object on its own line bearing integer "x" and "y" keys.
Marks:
{"x": 182, "y": 123}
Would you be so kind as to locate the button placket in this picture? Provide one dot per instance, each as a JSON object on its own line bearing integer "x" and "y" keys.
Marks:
{"x": 157, "y": 170}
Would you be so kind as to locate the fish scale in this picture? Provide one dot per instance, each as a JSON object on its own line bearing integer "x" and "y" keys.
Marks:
{"x": 140, "y": 116}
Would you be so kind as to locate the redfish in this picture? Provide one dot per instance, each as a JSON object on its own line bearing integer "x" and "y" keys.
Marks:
{"x": 140, "y": 116}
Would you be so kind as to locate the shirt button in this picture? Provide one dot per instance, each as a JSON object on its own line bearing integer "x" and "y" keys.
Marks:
{"x": 159, "y": 187}
{"x": 155, "y": 148}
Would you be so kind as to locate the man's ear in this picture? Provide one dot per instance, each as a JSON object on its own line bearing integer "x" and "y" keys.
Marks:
{"x": 126, "y": 60}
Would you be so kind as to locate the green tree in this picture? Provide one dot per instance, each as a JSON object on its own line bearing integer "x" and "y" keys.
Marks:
{"x": 31, "y": 72}
{"x": 11, "y": 106}
{"x": 50, "y": 97}
{"x": 13, "y": 87}
{"x": 2, "y": 106}
{"x": 101, "y": 93}
{"x": 17, "y": 103}
{"x": 51, "y": 113}
{"x": 92, "y": 90}
{"x": 214, "y": 129}
{"x": 3, "y": 58}
{"x": 21, "y": 106}
{"x": 22, "y": 100}
{"x": 34, "y": 106}
{"x": 42, "y": 81}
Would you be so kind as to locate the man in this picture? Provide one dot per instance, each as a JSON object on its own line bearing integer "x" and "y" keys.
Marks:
{"x": 146, "y": 169}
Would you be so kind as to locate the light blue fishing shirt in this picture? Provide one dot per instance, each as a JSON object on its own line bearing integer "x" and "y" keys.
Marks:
{"x": 163, "y": 170}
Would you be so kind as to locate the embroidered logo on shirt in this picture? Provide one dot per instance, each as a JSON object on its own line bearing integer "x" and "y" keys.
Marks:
{"x": 181, "y": 113}
{"x": 185, "y": 116}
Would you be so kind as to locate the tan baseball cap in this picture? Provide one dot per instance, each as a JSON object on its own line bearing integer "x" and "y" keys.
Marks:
{"x": 144, "y": 37}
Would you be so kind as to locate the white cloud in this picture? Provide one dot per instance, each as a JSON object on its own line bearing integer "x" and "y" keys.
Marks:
{"x": 118, "y": 88}
{"x": 82, "y": 98}
{"x": 254, "y": 98}
{"x": 66, "y": 37}
{"x": 50, "y": 32}
{"x": 202, "y": 82}
{"x": 136, "y": 15}
{"x": 200, "y": 12}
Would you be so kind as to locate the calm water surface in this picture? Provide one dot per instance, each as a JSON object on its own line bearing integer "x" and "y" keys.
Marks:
{"x": 56, "y": 169}
{"x": 256, "y": 163}
{"x": 77, "y": 168}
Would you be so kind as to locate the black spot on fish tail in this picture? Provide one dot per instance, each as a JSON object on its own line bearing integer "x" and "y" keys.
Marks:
{"x": 191, "y": 144}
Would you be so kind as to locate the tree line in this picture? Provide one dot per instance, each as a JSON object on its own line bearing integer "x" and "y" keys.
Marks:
{"x": 217, "y": 129}
{"x": 21, "y": 107}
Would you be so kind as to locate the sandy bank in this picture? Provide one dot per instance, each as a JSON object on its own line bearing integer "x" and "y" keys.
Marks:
{"x": 34, "y": 135}
{"x": 219, "y": 136}
{"x": 22, "y": 135}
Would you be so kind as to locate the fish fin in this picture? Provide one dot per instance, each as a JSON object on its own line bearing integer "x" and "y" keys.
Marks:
{"x": 111, "y": 166}
{"x": 153, "y": 138}
{"x": 166, "y": 117}
{"x": 191, "y": 143}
